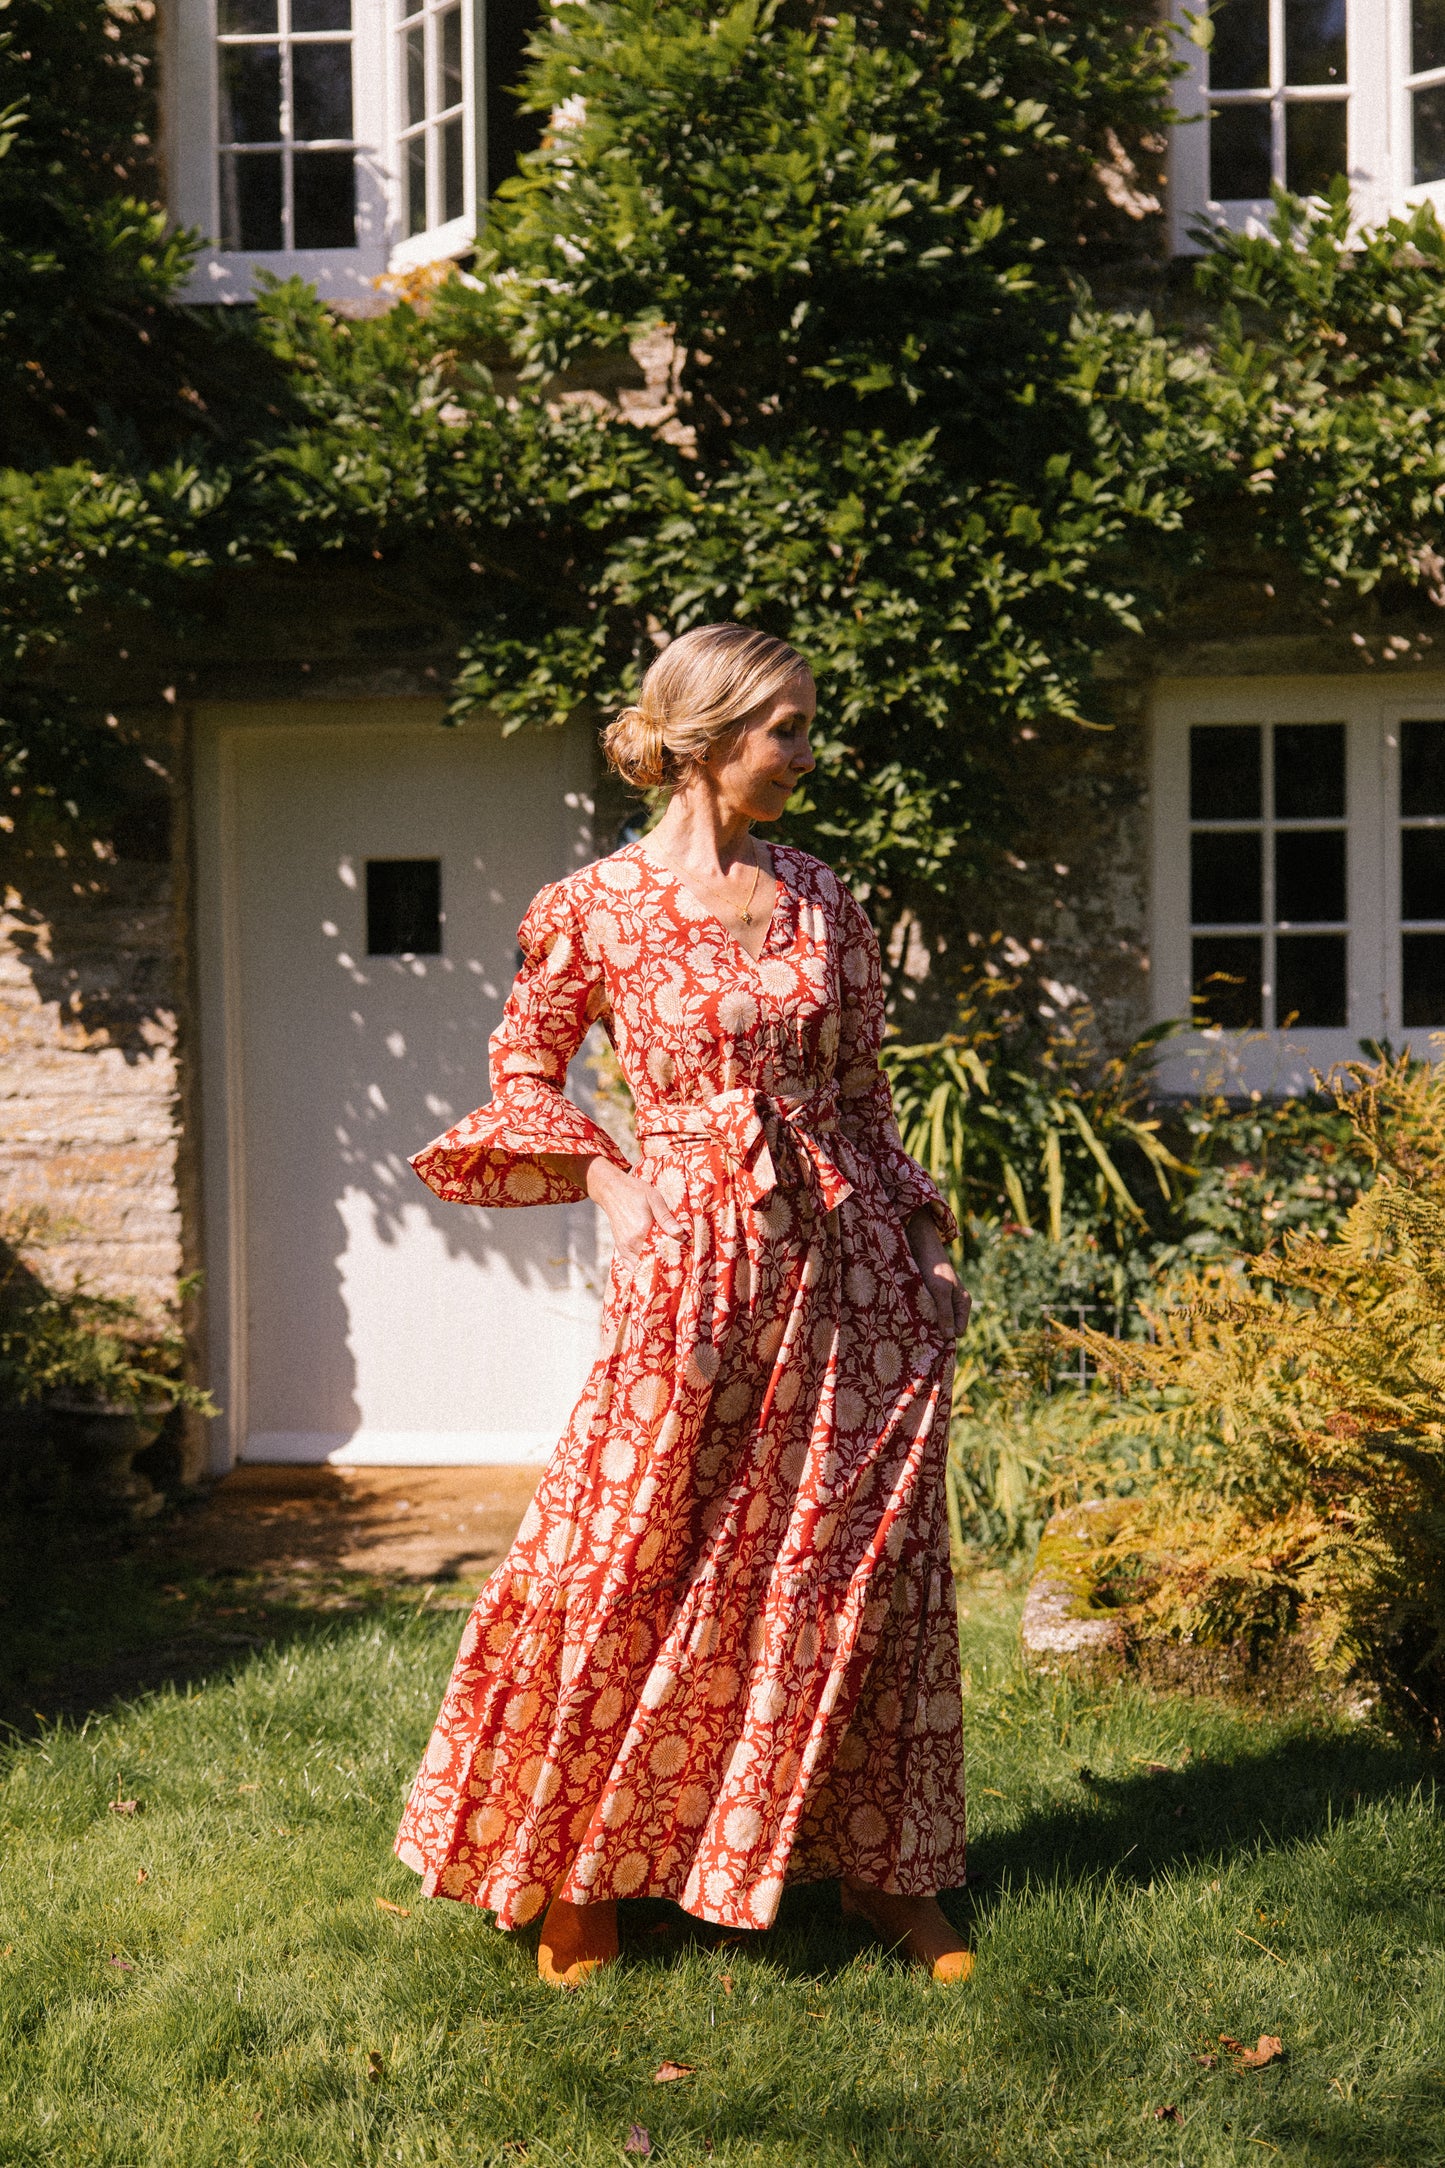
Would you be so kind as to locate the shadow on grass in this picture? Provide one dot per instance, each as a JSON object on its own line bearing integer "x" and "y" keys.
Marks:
{"x": 1266, "y": 1793}
{"x": 93, "y": 1615}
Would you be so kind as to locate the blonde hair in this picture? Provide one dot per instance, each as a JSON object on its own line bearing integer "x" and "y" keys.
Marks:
{"x": 697, "y": 692}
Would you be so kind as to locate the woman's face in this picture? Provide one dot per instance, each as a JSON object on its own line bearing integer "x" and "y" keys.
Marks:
{"x": 759, "y": 771}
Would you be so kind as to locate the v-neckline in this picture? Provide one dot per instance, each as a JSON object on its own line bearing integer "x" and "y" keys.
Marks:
{"x": 666, "y": 873}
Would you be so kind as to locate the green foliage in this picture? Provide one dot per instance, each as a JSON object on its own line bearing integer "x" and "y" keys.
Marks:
{"x": 71, "y": 1344}
{"x": 94, "y": 362}
{"x": 1302, "y": 1415}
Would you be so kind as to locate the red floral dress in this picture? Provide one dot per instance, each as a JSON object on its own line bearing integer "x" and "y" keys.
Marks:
{"x": 722, "y": 1653}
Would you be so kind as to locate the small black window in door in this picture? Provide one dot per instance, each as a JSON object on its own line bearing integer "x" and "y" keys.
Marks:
{"x": 403, "y": 907}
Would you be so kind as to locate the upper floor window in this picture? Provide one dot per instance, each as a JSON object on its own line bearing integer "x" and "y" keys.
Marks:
{"x": 339, "y": 138}
{"x": 287, "y": 153}
{"x": 1427, "y": 91}
{"x": 430, "y": 67}
{"x": 1278, "y": 83}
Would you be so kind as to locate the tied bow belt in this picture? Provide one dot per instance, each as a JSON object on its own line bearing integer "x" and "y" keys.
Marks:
{"x": 747, "y": 1124}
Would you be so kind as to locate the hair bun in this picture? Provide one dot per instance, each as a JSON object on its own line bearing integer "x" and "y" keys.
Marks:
{"x": 635, "y": 745}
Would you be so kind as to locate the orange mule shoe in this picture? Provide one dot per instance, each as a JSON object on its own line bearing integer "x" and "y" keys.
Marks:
{"x": 576, "y": 1941}
{"x": 949, "y": 1967}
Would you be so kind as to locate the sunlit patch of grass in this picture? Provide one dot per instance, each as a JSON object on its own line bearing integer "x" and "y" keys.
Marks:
{"x": 212, "y": 1980}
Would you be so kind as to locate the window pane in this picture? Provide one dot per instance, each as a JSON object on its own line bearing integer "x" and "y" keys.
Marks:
{"x": 403, "y": 907}
{"x": 1314, "y": 41}
{"x": 1240, "y": 157}
{"x": 1423, "y": 959}
{"x": 1309, "y": 771}
{"x": 415, "y": 75}
{"x": 1311, "y": 972}
{"x": 1314, "y": 146}
{"x": 1227, "y": 981}
{"x": 449, "y": 51}
{"x": 320, "y": 92}
{"x": 510, "y": 131}
{"x": 251, "y": 200}
{"x": 1427, "y": 35}
{"x": 1224, "y": 773}
{"x": 1224, "y": 879}
{"x": 246, "y": 15}
{"x": 1422, "y": 769}
{"x": 416, "y": 185}
{"x": 1309, "y": 877}
{"x": 250, "y": 93}
{"x": 454, "y": 193}
{"x": 1239, "y": 56}
{"x": 325, "y": 191}
{"x": 1428, "y": 110}
{"x": 320, "y": 14}
{"x": 1422, "y": 873}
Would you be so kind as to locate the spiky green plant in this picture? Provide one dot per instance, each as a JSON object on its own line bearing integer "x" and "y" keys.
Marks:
{"x": 1300, "y": 1415}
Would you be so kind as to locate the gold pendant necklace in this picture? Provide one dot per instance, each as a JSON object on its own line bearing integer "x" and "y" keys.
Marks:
{"x": 745, "y": 913}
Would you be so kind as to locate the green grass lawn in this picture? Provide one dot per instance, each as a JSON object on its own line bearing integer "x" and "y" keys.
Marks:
{"x": 214, "y": 1980}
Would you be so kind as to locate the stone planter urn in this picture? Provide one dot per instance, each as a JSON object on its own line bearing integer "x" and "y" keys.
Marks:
{"x": 99, "y": 1445}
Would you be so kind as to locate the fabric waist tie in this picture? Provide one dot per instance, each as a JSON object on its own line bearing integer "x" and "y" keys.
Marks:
{"x": 741, "y": 1122}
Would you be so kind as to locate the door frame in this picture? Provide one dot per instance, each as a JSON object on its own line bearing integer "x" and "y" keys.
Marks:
{"x": 218, "y": 730}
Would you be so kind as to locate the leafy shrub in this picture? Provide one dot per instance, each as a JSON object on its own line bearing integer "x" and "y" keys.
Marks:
{"x": 1079, "y": 1204}
{"x": 1298, "y": 1416}
{"x": 68, "y": 1343}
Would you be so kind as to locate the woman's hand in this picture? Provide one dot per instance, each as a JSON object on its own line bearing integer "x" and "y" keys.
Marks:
{"x": 631, "y": 1207}
{"x": 951, "y": 1301}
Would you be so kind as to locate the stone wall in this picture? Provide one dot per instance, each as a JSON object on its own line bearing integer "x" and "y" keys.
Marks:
{"x": 1065, "y": 911}
{"x": 89, "y": 1127}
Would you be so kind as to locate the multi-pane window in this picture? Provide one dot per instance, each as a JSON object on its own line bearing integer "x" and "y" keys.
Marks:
{"x": 1268, "y": 908}
{"x": 1427, "y": 91}
{"x": 433, "y": 114}
{"x": 287, "y": 152}
{"x": 1279, "y": 96}
{"x": 1422, "y": 873}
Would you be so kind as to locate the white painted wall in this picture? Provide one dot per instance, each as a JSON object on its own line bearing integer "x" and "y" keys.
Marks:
{"x": 355, "y": 1317}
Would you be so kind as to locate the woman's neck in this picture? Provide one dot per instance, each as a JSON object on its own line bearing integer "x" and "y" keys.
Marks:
{"x": 707, "y": 838}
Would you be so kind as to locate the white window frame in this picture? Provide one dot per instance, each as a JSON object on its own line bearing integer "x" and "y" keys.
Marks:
{"x": 443, "y": 237}
{"x": 192, "y": 136}
{"x": 1372, "y": 712}
{"x": 1377, "y": 34}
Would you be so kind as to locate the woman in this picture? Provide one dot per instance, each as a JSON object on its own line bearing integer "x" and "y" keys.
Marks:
{"x": 722, "y": 1653}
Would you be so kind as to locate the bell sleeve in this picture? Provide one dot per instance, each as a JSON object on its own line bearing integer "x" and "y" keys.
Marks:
{"x": 865, "y": 1103}
{"x": 493, "y": 1157}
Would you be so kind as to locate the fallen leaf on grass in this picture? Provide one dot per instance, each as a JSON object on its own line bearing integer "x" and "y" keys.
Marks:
{"x": 121, "y": 1964}
{"x": 986, "y": 1791}
{"x": 727, "y": 1983}
{"x": 639, "y": 2139}
{"x": 1207, "y": 2062}
{"x": 384, "y": 1904}
{"x": 124, "y": 1806}
{"x": 142, "y": 1874}
{"x": 667, "y": 2073}
{"x": 1168, "y": 2115}
{"x": 1269, "y": 2050}
{"x": 248, "y": 1787}
{"x": 373, "y": 2067}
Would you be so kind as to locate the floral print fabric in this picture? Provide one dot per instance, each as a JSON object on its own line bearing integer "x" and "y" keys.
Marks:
{"x": 722, "y": 1653}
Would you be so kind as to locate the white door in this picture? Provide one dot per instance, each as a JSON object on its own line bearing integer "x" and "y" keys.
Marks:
{"x": 362, "y": 879}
